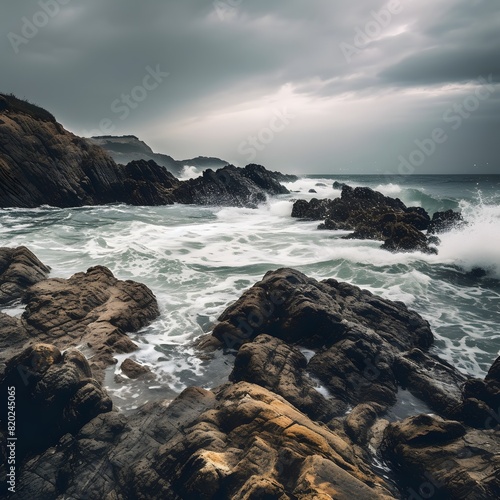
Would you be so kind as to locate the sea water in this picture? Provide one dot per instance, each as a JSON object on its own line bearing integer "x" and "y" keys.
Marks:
{"x": 198, "y": 260}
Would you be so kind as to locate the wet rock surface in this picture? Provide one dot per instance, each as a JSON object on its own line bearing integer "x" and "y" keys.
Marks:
{"x": 303, "y": 415}
{"x": 19, "y": 269}
{"x": 232, "y": 186}
{"x": 371, "y": 215}
{"x": 438, "y": 458}
{"x": 92, "y": 309}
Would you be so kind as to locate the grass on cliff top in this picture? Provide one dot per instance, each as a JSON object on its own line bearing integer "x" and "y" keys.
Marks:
{"x": 9, "y": 102}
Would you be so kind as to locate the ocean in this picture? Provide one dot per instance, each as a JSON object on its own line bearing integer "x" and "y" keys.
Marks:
{"x": 198, "y": 260}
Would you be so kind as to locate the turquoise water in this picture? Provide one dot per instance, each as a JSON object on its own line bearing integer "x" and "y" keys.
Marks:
{"x": 197, "y": 260}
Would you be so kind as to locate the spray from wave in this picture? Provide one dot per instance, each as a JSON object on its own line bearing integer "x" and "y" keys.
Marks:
{"x": 189, "y": 172}
{"x": 475, "y": 245}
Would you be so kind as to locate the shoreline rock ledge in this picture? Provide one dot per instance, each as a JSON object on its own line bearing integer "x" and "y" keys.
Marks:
{"x": 304, "y": 414}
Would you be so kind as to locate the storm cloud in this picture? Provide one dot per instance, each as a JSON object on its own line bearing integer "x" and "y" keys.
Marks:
{"x": 313, "y": 87}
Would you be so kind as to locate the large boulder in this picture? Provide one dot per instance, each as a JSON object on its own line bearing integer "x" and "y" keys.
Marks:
{"x": 92, "y": 309}
{"x": 19, "y": 269}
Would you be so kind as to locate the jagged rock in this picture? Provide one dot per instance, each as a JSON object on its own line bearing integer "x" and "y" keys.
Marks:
{"x": 312, "y": 191}
{"x": 436, "y": 458}
{"x": 405, "y": 238}
{"x": 242, "y": 441}
{"x": 356, "y": 335}
{"x": 93, "y": 309}
{"x": 371, "y": 215}
{"x": 280, "y": 368}
{"x": 231, "y": 186}
{"x": 444, "y": 221}
{"x": 312, "y": 210}
{"x": 338, "y": 185}
{"x": 288, "y": 305}
{"x": 19, "y": 269}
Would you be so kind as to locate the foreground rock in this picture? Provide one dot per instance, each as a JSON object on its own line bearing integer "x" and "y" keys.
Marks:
{"x": 92, "y": 311}
{"x": 371, "y": 215}
{"x": 241, "y": 441}
{"x": 19, "y": 269}
{"x": 356, "y": 338}
{"x": 55, "y": 394}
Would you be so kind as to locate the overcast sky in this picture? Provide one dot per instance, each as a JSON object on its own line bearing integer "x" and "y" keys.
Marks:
{"x": 317, "y": 86}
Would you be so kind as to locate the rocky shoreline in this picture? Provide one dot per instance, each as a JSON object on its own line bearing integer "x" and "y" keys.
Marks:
{"x": 285, "y": 425}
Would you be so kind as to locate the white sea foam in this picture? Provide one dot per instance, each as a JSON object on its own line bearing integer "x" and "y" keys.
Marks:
{"x": 477, "y": 244}
{"x": 189, "y": 172}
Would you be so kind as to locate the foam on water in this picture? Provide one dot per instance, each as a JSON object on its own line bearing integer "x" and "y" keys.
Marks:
{"x": 477, "y": 244}
{"x": 189, "y": 172}
{"x": 198, "y": 260}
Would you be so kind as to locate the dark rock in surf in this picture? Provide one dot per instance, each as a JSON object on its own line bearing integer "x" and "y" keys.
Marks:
{"x": 311, "y": 210}
{"x": 19, "y": 269}
{"x": 445, "y": 221}
{"x": 371, "y": 215}
{"x": 231, "y": 186}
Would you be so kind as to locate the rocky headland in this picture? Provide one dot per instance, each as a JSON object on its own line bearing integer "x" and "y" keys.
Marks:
{"x": 41, "y": 163}
{"x": 305, "y": 413}
{"x": 129, "y": 148}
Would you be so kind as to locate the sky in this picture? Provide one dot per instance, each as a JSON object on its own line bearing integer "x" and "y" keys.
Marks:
{"x": 323, "y": 86}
